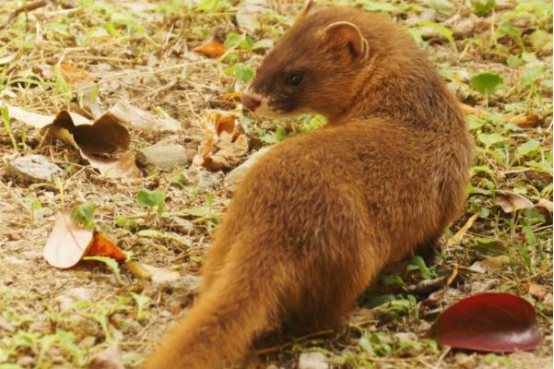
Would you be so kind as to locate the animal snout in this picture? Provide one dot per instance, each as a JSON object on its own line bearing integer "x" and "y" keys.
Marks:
{"x": 250, "y": 102}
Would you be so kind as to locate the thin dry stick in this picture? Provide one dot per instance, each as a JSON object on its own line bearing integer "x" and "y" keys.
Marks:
{"x": 288, "y": 344}
{"x": 24, "y": 9}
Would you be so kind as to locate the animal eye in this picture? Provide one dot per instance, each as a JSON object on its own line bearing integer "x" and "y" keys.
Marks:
{"x": 294, "y": 79}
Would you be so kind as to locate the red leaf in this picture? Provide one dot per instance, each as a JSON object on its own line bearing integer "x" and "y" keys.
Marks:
{"x": 493, "y": 322}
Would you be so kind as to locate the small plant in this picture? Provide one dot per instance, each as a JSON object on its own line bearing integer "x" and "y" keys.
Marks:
{"x": 151, "y": 199}
{"x": 83, "y": 214}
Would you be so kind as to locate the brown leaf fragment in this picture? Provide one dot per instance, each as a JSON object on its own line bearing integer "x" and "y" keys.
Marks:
{"x": 110, "y": 358}
{"x": 544, "y": 207}
{"x": 72, "y": 75}
{"x": 537, "y": 290}
{"x": 232, "y": 96}
{"x": 455, "y": 240}
{"x": 526, "y": 121}
{"x": 212, "y": 49}
{"x": 149, "y": 272}
{"x": 511, "y": 201}
{"x": 103, "y": 246}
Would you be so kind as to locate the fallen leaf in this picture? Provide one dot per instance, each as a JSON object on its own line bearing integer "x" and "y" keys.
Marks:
{"x": 143, "y": 121}
{"x": 510, "y": 201}
{"x": 224, "y": 143}
{"x": 537, "y": 290}
{"x": 145, "y": 271}
{"x": 68, "y": 243}
{"x": 526, "y": 121}
{"x": 212, "y": 49}
{"x": 104, "y": 136}
{"x": 8, "y": 59}
{"x": 233, "y": 96}
{"x": 544, "y": 207}
{"x": 110, "y": 358}
{"x": 39, "y": 121}
{"x": 496, "y": 263}
{"x": 548, "y": 300}
{"x": 490, "y": 322}
{"x": 103, "y": 246}
{"x": 455, "y": 240}
{"x": 73, "y": 75}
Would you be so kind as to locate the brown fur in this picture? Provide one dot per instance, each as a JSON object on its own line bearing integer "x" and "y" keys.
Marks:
{"x": 318, "y": 216}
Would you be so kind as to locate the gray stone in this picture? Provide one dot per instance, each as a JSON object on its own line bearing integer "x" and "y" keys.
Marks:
{"x": 204, "y": 180}
{"x": 312, "y": 360}
{"x": 33, "y": 169}
{"x": 164, "y": 157}
{"x": 236, "y": 175}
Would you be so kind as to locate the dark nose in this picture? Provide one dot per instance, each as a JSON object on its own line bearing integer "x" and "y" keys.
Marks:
{"x": 250, "y": 102}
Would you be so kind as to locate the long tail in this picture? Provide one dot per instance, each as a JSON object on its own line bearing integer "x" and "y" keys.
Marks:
{"x": 221, "y": 327}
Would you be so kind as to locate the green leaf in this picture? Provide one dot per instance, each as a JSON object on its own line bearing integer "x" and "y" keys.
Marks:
{"x": 508, "y": 29}
{"x": 481, "y": 8}
{"x": 233, "y": 39}
{"x": 487, "y": 83}
{"x": 528, "y": 147}
{"x": 84, "y": 213}
{"x": 150, "y": 199}
{"x": 490, "y": 139}
{"x": 541, "y": 40}
{"x": 111, "y": 263}
{"x": 244, "y": 73}
{"x": 443, "y": 6}
{"x": 530, "y": 74}
{"x": 417, "y": 263}
{"x": 442, "y": 30}
{"x": 378, "y": 6}
{"x": 266, "y": 43}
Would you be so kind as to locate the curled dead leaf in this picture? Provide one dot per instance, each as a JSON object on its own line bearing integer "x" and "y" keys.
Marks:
{"x": 212, "y": 49}
{"x": 141, "y": 120}
{"x": 110, "y": 358}
{"x": 224, "y": 142}
{"x": 537, "y": 290}
{"x": 511, "y": 201}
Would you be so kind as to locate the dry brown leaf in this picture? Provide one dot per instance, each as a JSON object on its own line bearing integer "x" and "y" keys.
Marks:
{"x": 526, "y": 121}
{"x": 73, "y": 75}
{"x": 157, "y": 275}
{"x": 537, "y": 290}
{"x": 143, "y": 121}
{"x": 454, "y": 240}
{"x": 224, "y": 143}
{"x": 110, "y": 358}
{"x": 103, "y": 246}
{"x": 211, "y": 49}
{"x": 232, "y": 96}
{"x": 510, "y": 201}
{"x": 68, "y": 243}
{"x": 103, "y": 137}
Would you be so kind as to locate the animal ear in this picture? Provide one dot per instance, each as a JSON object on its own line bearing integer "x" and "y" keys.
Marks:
{"x": 308, "y": 7}
{"x": 348, "y": 34}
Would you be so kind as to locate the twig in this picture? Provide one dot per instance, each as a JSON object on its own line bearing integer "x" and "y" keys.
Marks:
{"x": 25, "y": 8}
{"x": 285, "y": 345}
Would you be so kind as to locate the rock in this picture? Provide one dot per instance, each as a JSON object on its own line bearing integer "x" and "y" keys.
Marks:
{"x": 163, "y": 157}
{"x": 463, "y": 28}
{"x": 33, "y": 169}
{"x": 235, "y": 176}
{"x": 204, "y": 180}
{"x": 312, "y": 360}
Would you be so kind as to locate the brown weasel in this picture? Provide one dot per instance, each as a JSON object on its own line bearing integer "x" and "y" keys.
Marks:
{"x": 319, "y": 215}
